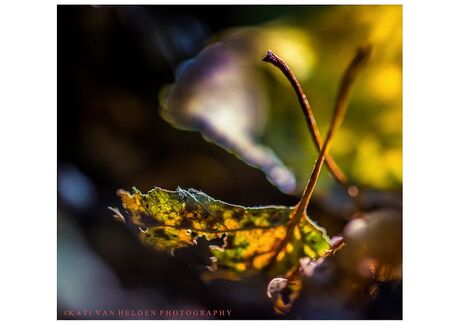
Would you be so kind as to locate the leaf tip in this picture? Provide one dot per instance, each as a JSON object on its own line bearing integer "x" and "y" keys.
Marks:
{"x": 117, "y": 215}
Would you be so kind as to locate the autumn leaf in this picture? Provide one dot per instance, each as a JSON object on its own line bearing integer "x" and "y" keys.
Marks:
{"x": 169, "y": 220}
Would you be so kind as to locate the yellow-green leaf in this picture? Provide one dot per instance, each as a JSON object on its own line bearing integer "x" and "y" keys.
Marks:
{"x": 253, "y": 238}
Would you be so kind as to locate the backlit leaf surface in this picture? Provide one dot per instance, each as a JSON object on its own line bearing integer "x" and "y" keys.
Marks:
{"x": 253, "y": 238}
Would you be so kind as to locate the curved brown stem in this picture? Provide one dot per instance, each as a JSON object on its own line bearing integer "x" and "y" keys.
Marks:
{"x": 339, "y": 113}
{"x": 340, "y": 109}
{"x": 335, "y": 170}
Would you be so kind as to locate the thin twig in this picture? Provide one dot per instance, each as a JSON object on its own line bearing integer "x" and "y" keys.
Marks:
{"x": 340, "y": 109}
{"x": 339, "y": 113}
{"x": 311, "y": 122}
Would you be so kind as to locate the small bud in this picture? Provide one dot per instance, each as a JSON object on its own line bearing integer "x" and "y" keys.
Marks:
{"x": 276, "y": 286}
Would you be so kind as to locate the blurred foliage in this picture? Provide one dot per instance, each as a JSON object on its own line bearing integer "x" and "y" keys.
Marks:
{"x": 258, "y": 106}
{"x": 218, "y": 93}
